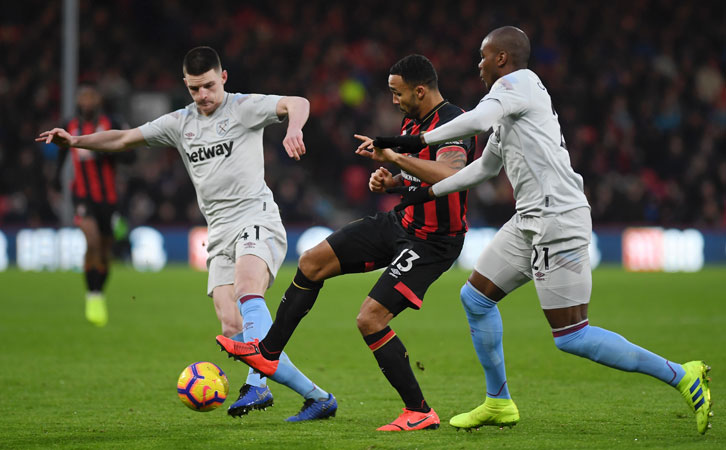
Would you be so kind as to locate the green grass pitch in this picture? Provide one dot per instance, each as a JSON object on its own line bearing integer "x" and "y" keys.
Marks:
{"x": 67, "y": 384}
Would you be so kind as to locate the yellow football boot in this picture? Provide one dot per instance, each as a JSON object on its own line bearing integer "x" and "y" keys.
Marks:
{"x": 96, "y": 309}
{"x": 496, "y": 412}
{"x": 694, "y": 389}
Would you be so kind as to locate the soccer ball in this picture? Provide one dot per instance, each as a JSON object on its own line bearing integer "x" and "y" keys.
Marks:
{"x": 202, "y": 386}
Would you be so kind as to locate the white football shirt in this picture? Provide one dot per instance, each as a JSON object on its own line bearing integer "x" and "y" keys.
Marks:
{"x": 528, "y": 140}
{"x": 223, "y": 155}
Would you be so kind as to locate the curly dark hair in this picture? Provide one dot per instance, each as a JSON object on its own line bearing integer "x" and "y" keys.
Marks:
{"x": 416, "y": 70}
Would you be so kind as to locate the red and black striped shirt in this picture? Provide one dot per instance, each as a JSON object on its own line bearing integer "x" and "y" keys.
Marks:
{"x": 443, "y": 216}
{"x": 94, "y": 173}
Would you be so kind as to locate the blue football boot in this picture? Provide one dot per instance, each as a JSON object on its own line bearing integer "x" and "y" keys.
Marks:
{"x": 316, "y": 409}
{"x": 250, "y": 397}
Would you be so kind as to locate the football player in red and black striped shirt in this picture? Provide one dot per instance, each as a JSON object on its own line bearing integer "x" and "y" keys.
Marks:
{"x": 94, "y": 195}
{"x": 415, "y": 245}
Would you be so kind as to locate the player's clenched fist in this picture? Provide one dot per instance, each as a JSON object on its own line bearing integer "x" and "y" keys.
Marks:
{"x": 380, "y": 180}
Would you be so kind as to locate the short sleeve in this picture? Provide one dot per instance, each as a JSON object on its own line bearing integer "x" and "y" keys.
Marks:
{"x": 164, "y": 131}
{"x": 511, "y": 92}
{"x": 256, "y": 110}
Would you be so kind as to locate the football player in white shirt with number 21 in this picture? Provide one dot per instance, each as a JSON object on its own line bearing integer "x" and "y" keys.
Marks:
{"x": 219, "y": 137}
{"x": 546, "y": 240}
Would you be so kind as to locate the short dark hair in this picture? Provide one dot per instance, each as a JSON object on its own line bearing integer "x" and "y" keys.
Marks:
{"x": 416, "y": 70}
{"x": 201, "y": 60}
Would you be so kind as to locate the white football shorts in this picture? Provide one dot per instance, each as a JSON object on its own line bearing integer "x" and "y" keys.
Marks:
{"x": 268, "y": 242}
{"x": 551, "y": 250}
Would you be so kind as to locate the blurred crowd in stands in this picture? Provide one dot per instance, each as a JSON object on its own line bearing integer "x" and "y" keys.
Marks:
{"x": 638, "y": 85}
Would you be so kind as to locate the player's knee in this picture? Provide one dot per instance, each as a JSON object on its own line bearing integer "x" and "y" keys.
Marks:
{"x": 372, "y": 317}
{"x": 475, "y": 302}
{"x": 308, "y": 265}
{"x": 367, "y": 323}
{"x": 94, "y": 256}
{"x": 319, "y": 263}
{"x": 363, "y": 322}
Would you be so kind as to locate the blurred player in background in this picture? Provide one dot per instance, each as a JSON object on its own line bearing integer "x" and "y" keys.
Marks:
{"x": 414, "y": 245}
{"x": 219, "y": 137}
{"x": 93, "y": 191}
{"x": 545, "y": 241}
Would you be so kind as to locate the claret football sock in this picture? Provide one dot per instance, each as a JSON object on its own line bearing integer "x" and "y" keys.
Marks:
{"x": 296, "y": 303}
{"x": 485, "y": 325}
{"x": 613, "y": 350}
{"x": 392, "y": 359}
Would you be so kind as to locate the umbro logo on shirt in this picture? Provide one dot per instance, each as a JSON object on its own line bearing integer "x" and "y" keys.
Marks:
{"x": 203, "y": 153}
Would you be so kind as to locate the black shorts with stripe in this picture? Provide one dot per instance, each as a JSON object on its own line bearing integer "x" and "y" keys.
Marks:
{"x": 412, "y": 264}
{"x": 102, "y": 213}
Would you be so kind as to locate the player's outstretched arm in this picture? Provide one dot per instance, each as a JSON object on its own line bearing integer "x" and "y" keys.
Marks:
{"x": 367, "y": 149}
{"x": 105, "y": 141}
{"x": 446, "y": 164}
{"x": 297, "y": 111}
{"x": 471, "y": 123}
{"x": 410, "y": 143}
{"x": 484, "y": 168}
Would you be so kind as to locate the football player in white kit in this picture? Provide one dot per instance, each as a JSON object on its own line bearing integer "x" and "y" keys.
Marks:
{"x": 219, "y": 138}
{"x": 546, "y": 240}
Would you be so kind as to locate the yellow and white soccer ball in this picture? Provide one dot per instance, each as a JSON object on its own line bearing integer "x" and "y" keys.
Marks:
{"x": 202, "y": 386}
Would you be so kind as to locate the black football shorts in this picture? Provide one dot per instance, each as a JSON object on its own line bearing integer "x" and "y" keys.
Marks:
{"x": 411, "y": 264}
{"x": 102, "y": 213}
